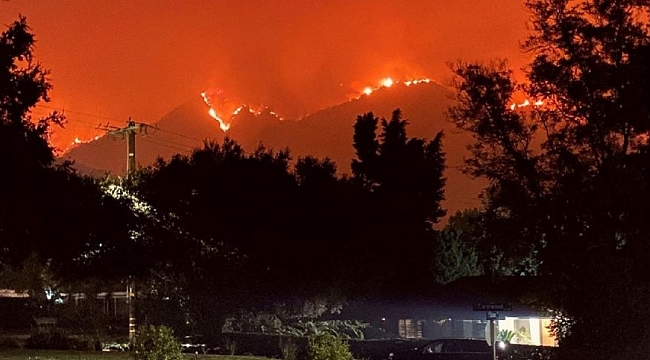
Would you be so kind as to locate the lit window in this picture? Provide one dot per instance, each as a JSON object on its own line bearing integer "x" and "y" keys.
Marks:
{"x": 410, "y": 329}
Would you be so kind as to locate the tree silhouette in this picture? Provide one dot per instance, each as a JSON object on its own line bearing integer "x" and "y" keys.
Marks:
{"x": 281, "y": 228}
{"x": 572, "y": 207}
{"x": 405, "y": 178}
{"x": 367, "y": 148}
{"x": 48, "y": 214}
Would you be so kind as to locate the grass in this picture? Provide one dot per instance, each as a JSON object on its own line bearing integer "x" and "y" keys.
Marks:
{"x": 28, "y": 354}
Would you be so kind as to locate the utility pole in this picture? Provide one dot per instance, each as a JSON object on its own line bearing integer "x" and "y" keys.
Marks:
{"x": 129, "y": 132}
{"x": 130, "y": 148}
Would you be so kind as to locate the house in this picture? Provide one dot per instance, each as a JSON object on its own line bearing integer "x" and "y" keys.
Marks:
{"x": 448, "y": 312}
{"x": 17, "y": 312}
{"x": 114, "y": 303}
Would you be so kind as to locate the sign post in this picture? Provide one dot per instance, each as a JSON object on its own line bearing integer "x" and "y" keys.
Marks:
{"x": 492, "y": 315}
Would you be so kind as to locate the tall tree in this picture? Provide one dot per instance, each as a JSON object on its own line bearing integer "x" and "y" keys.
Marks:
{"x": 25, "y": 150}
{"x": 456, "y": 251}
{"x": 366, "y": 146}
{"x": 575, "y": 203}
{"x": 405, "y": 178}
{"x": 46, "y": 210}
{"x": 399, "y": 167}
{"x": 230, "y": 238}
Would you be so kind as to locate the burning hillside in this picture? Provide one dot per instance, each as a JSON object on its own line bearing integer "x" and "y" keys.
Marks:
{"x": 225, "y": 108}
{"x": 325, "y": 133}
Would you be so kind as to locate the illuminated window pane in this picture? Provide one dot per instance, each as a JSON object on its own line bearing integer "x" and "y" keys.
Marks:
{"x": 410, "y": 329}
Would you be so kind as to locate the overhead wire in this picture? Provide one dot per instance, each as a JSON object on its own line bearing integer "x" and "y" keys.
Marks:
{"x": 158, "y": 142}
{"x": 63, "y": 110}
{"x": 162, "y": 141}
{"x": 76, "y": 122}
{"x": 180, "y": 135}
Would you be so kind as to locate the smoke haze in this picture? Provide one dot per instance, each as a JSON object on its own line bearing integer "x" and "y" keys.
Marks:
{"x": 119, "y": 59}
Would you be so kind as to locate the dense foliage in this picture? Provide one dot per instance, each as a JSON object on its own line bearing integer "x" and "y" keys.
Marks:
{"x": 328, "y": 347}
{"x": 217, "y": 230}
{"x": 569, "y": 180}
{"x": 156, "y": 343}
{"x": 221, "y": 229}
{"x": 254, "y": 228}
{"x": 403, "y": 178}
{"x": 50, "y": 217}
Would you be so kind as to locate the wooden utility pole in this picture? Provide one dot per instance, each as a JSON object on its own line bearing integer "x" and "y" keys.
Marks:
{"x": 130, "y": 148}
{"x": 128, "y": 132}
{"x": 130, "y": 169}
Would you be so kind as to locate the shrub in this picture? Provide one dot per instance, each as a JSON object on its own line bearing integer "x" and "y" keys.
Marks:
{"x": 156, "y": 343}
{"x": 289, "y": 349}
{"x": 114, "y": 346}
{"x": 230, "y": 345}
{"x": 328, "y": 347}
{"x": 506, "y": 335}
{"x": 8, "y": 343}
{"x": 53, "y": 340}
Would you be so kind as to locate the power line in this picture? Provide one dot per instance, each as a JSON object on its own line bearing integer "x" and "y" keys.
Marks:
{"x": 95, "y": 127}
{"x": 169, "y": 143}
{"x": 107, "y": 126}
{"x": 69, "y": 121}
{"x": 77, "y": 112}
{"x": 160, "y": 142}
{"x": 180, "y": 135}
{"x": 174, "y": 143}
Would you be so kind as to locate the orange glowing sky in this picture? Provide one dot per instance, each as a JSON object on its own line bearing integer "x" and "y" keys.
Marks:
{"x": 140, "y": 59}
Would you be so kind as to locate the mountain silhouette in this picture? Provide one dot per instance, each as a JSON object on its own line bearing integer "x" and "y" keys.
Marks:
{"x": 326, "y": 133}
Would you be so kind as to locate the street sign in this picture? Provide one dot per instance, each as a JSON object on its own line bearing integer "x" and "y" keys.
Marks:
{"x": 491, "y": 327}
{"x": 491, "y": 306}
{"x": 492, "y": 313}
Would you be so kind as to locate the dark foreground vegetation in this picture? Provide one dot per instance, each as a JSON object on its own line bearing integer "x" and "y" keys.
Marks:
{"x": 24, "y": 354}
{"x": 263, "y": 346}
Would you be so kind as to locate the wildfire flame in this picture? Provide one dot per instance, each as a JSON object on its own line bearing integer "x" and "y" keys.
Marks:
{"x": 77, "y": 141}
{"x": 213, "y": 113}
{"x": 224, "y": 110}
{"x": 526, "y": 103}
{"x": 417, "y": 81}
{"x": 389, "y": 82}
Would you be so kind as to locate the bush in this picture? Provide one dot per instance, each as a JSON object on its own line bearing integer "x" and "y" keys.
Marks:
{"x": 114, "y": 346}
{"x": 328, "y": 347}
{"x": 156, "y": 343}
{"x": 54, "y": 340}
{"x": 230, "y": 345}
{"x": 289, "y": 349}
{"x": 8, "y": 343}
